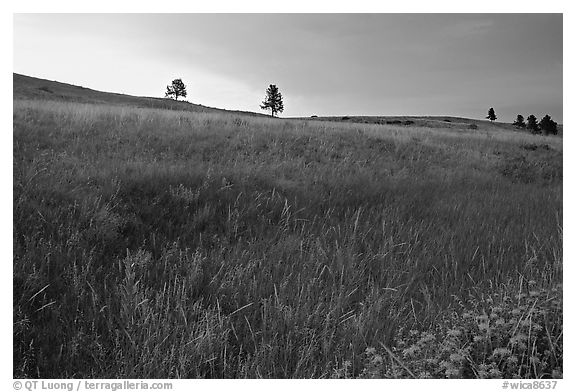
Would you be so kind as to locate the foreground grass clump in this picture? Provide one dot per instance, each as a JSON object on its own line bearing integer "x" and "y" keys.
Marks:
{"x": 152, "y": 243}
{"x": 506, "y": 334}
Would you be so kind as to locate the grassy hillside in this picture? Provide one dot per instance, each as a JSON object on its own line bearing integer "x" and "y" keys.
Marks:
{"x": 27, "y": 87}
{"x": 450, "y": 122}
{"x": 414, "y": 121}
{"x": 164, "y": 243}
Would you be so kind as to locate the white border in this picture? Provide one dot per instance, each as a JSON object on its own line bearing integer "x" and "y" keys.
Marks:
{"x": 297, "y": 6}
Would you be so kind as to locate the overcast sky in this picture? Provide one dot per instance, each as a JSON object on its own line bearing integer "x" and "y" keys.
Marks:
{"x": 324, "y": 64}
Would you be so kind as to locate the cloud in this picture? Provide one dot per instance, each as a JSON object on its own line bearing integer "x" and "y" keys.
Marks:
{"x": 469, "y": 27}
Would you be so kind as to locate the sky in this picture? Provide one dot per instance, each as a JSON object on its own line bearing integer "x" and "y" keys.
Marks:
{"x": 323, "y": 64}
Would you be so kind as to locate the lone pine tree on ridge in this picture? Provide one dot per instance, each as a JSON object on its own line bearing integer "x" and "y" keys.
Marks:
{"x": 491, "y": 115}
{"x": 273, "y": 100}
{"x": 176, "y": 89}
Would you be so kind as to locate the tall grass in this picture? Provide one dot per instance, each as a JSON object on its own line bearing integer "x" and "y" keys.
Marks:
{"x": 151, "y": 243}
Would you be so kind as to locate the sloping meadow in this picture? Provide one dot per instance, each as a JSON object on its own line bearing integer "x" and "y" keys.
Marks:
{"x": 155, "y": 243}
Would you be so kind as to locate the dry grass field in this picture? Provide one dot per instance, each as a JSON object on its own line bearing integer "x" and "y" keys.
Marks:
{"x": 167, "y": 243}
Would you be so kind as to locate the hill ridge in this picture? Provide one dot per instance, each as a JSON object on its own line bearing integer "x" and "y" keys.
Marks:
{"x": 30, "y": 87}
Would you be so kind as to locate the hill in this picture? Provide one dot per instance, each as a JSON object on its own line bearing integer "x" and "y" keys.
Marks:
{"x": 27, "y": 87}
{"x": 183, "y": 243}
{"x": 417, "y": 121}
{"x": 449, "y": 122}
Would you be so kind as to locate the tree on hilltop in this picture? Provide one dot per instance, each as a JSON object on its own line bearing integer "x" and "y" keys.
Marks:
{"x": 548, "y": 126}
{"x": 273, "y": 100}
{"x": 176, "y": 89}
{"x": 532, "y": 125}
{"x": 491, "y": 115}
{"x": 519, "y": 122}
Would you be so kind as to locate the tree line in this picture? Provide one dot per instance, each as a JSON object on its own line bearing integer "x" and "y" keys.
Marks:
{"x": 545, "y": 126}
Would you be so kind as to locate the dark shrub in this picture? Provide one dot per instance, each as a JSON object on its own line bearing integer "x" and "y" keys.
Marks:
{"x": 408, "y": 122}
{"x": 530, "y": 147}
{"x": 345, "y": 118}
{"x": 534, "y": 147}
{"x": 46, "y": 89}
{"x": 472, "y": 126}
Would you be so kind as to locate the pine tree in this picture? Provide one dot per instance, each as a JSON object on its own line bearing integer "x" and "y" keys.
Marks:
{"x": 491, "y": 115}
{"x": 176, "y": 89}
{"x": 273, "y": 100}
{"x": 519, "y": 122}
{"x": 548, "y": 125}
{"x": 532, "y": 125}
